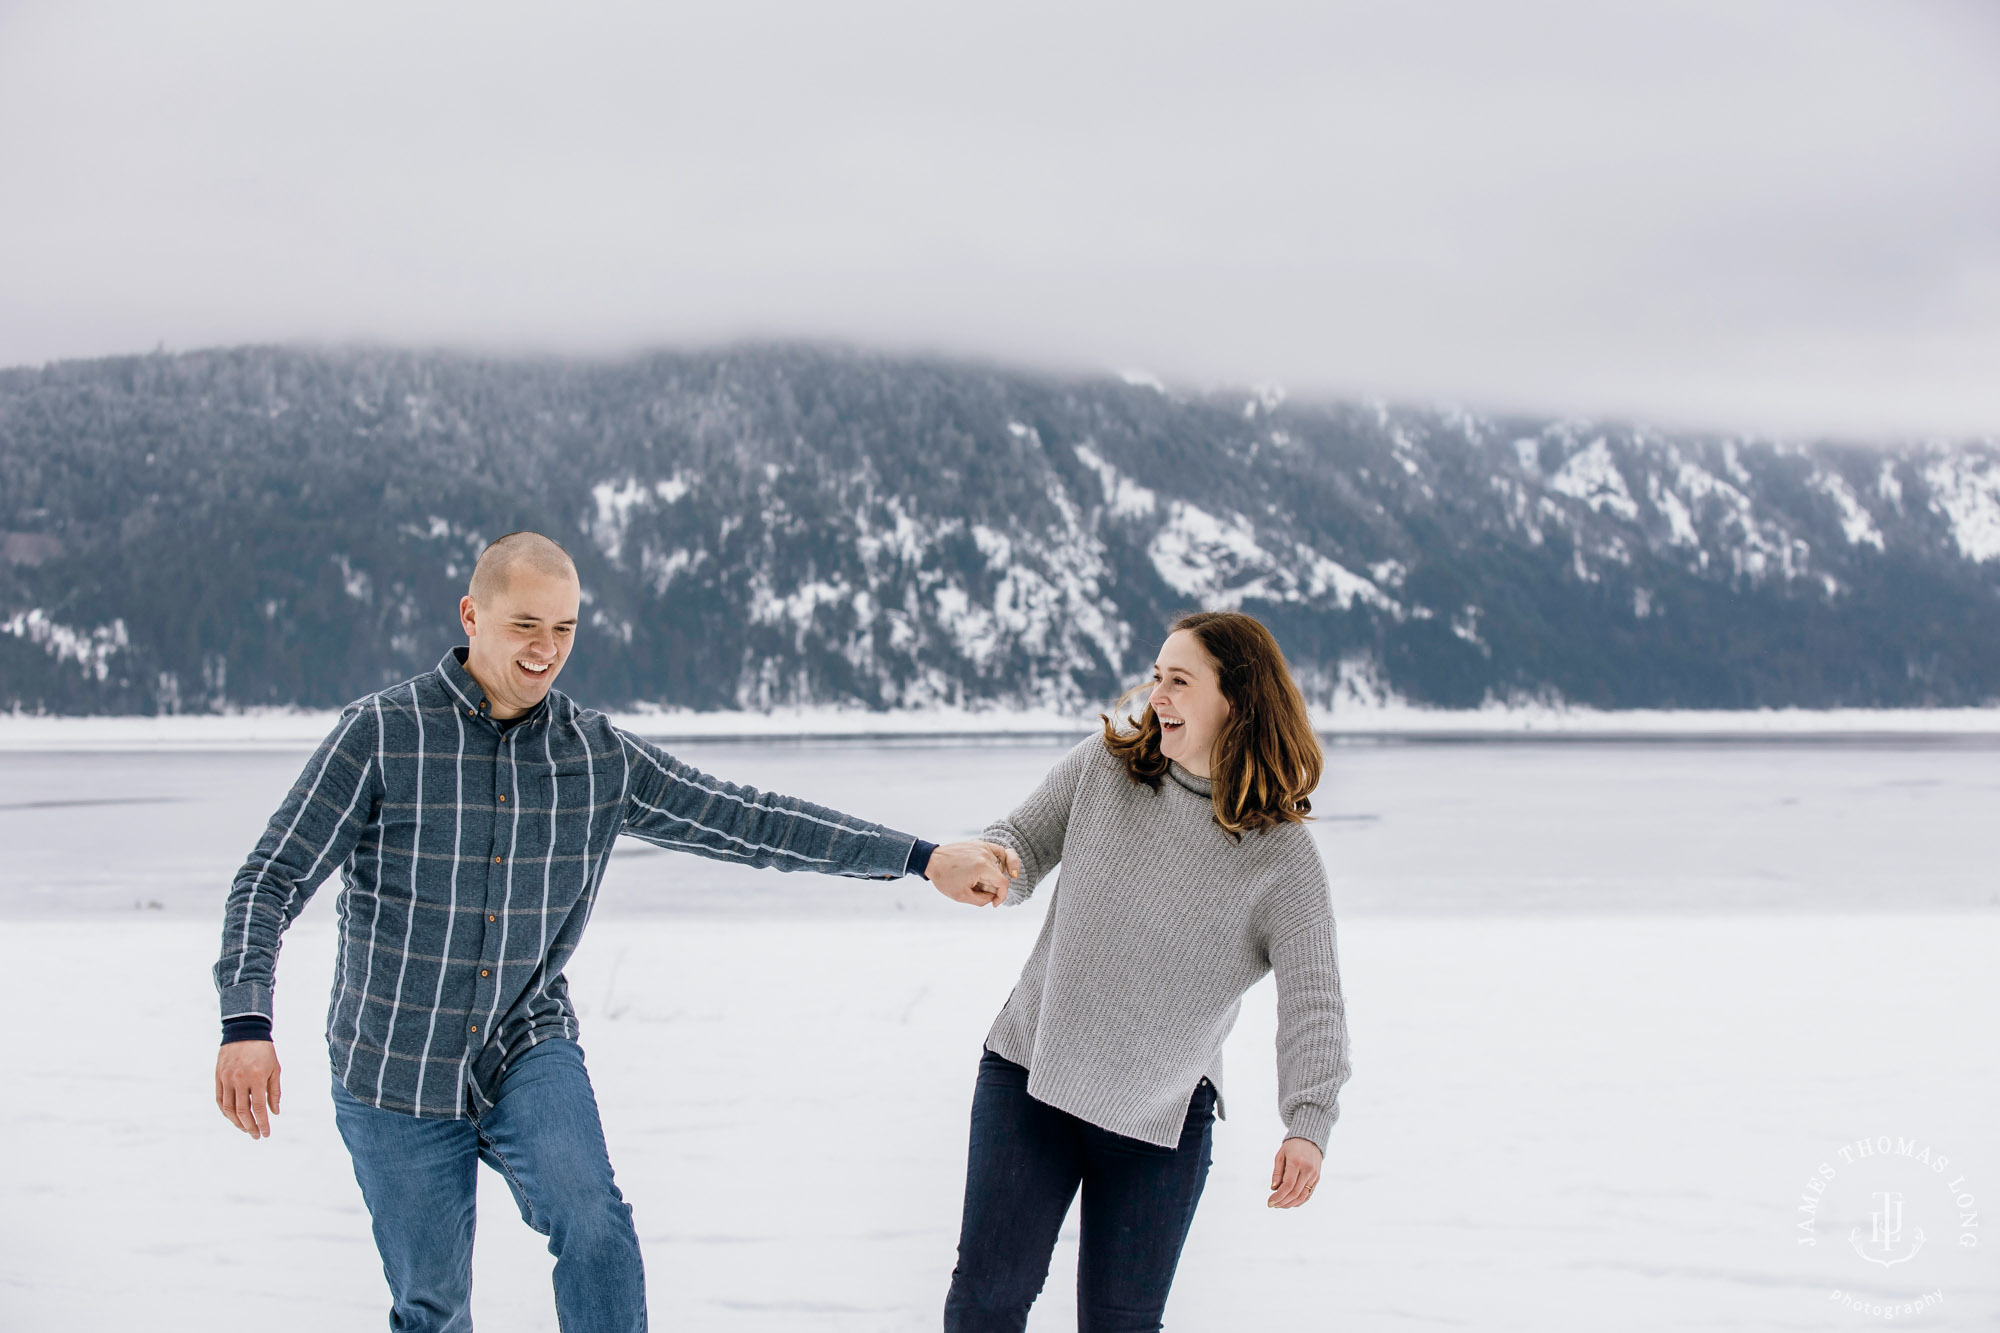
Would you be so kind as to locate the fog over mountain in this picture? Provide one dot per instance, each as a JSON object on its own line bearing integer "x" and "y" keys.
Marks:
{"x": 767, "y": 525}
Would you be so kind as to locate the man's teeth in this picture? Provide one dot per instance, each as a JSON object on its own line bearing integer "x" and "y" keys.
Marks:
{"x": 530, "y": 666}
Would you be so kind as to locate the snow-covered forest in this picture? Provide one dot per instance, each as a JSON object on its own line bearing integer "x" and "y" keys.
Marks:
{"x": 775, "y": 525}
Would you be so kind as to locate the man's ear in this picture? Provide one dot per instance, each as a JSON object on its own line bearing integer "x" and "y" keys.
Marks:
{"x": 466, "y": 615}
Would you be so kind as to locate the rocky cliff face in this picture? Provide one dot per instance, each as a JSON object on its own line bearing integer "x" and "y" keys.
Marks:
{"x": 778, "y": 524}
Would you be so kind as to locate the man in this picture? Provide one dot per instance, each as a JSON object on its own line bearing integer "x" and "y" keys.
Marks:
{"x": 472, "y": 811}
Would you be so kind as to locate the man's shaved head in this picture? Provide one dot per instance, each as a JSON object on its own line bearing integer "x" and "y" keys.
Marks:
{"x": 516, "y": 551}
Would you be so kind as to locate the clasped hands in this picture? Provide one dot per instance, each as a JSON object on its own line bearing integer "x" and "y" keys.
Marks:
{"x": 973, "y": 872}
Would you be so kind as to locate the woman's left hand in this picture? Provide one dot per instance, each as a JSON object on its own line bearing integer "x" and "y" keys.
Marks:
{"x": 1294, "y": 1174}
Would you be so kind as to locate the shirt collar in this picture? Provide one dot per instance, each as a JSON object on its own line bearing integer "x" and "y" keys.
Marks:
{"x": 472, "y": 695}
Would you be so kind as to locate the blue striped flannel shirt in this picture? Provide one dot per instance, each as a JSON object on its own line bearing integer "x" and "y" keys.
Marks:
{"x": 470, "y": 855}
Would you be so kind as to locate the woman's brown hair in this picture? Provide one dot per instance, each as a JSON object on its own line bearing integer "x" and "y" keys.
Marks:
{"x": 1267, "y": 759}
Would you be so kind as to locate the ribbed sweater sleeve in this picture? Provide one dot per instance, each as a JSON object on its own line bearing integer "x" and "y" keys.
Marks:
{"x": 1312, "y": 1031}
{"x": 1037, "y": 826}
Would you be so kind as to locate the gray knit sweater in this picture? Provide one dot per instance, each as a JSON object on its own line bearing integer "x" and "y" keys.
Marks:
{"x": 1159, "y": 924}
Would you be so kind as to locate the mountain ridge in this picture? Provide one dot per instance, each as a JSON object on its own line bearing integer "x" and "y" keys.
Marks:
{"x": 773, "y": 525}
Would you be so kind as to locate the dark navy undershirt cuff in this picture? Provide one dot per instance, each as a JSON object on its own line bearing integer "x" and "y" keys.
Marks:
{"x": 920, "y": 858}
{"x": 247, "y": 1027}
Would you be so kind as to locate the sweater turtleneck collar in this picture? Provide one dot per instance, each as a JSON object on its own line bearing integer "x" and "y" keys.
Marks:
{"x": 1199, "y": 786}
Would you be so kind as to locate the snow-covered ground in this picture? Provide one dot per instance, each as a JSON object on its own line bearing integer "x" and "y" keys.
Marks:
{"x": 285, "y": 728}
{"x": 1581, "y": 1123}
{"x": 1612, "y": 1007}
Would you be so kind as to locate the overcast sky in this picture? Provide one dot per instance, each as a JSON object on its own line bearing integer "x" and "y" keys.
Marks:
{"x": 1760, "y": 216}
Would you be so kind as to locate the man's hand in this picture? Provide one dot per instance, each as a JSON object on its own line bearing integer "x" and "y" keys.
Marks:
{"x": 246, "y": 1086}
{"x": 973, "y": 872}
{"x": 1294, "y": 1174}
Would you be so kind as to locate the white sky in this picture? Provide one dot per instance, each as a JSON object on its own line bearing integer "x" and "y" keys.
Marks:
{"x": 1755, "y": 215}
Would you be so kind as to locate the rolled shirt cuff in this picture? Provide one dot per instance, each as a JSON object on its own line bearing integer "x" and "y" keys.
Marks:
{"x": 920, "y": 858}
{"x": 246, "y": 997}
{"x": 886, "y": 855}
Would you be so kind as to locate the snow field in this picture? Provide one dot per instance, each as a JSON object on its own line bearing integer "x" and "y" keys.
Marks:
{"x": 1583, "y": 1122}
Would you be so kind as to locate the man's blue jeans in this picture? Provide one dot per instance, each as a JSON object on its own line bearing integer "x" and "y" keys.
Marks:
{"x": 419, "y": 1178}
{"x": 1026, "y": 1163}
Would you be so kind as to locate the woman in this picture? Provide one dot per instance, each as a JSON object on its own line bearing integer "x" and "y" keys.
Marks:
{"x": 1188, "y": 874}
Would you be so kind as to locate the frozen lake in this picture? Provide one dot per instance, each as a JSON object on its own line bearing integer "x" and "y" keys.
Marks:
{"x": 1612, "y": 1005}
{"x": 1414, "y": 827}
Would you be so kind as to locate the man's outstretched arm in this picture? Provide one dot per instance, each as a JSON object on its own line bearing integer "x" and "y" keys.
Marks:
{"x": 677, "y": 806}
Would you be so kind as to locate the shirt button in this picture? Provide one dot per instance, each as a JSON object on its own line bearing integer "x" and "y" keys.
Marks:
{"x": 503, "y": 798}
{"x": 496, "y": 860}
{"x": 470, "y": 713}
{"x": 475, "y": 1027}
{"x": 483, "y": 972}
{"x": 491, "y": 917}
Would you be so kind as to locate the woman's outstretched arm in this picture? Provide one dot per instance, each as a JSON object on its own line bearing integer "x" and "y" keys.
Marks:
{"x": 1035, "y": 829}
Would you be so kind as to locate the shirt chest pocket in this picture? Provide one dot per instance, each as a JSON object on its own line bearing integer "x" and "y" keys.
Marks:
{"x": 555, "y": 813}
{"x": 564, "y": 790}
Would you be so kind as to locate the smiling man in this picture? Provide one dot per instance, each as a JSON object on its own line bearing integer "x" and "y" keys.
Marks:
{"x": 471, "y": 812}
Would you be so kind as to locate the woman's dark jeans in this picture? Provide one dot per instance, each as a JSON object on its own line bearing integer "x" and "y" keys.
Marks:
{"x": 1026, "y": 1164}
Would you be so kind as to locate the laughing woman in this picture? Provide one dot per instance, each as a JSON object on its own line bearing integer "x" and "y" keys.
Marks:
{"x": 1188, "y": 873}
